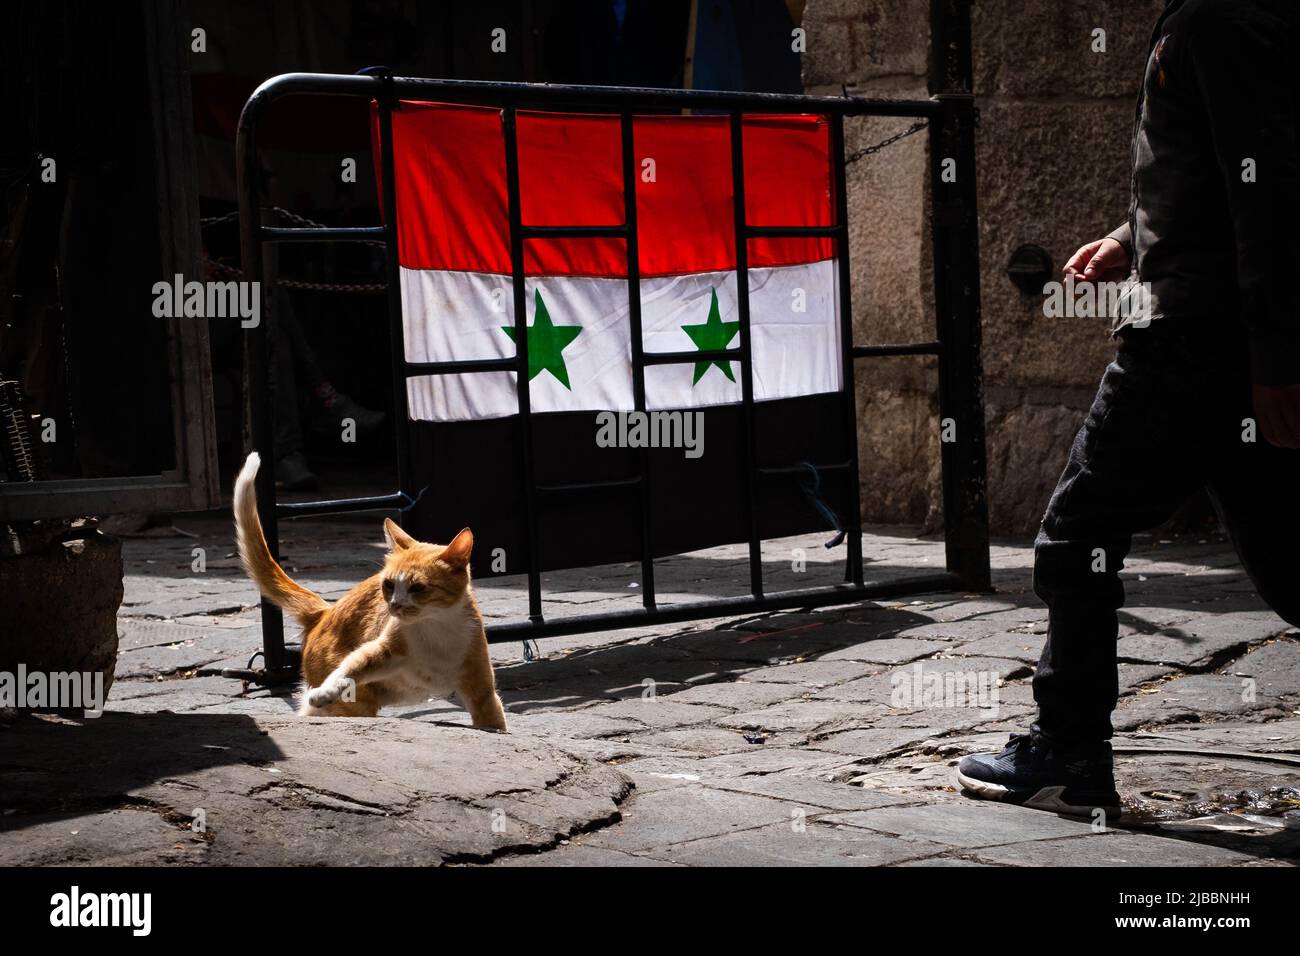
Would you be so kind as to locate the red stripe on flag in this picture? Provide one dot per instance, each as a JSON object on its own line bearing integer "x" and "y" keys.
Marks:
{"x": 451, "y": 190}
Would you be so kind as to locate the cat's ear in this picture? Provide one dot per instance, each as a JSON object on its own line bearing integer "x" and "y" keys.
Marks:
{"x": 457, "y": 553}
{"x": 398, "y": 540}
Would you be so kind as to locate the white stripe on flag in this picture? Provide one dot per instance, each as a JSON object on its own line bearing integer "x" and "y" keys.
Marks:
{"x": 458, "y": 316}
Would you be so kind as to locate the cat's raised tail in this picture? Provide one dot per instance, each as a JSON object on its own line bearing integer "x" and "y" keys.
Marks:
{"x": 269, "y": 577}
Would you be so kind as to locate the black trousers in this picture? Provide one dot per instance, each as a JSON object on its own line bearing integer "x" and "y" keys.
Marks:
{"x": 1167, "y": 420}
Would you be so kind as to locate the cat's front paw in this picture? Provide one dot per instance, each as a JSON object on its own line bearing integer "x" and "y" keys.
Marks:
{"x": 322, "y": 696}
{"x": 328, "y": 692}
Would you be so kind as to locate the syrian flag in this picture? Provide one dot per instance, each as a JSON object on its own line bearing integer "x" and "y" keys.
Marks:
{"x": 458, "y": 305}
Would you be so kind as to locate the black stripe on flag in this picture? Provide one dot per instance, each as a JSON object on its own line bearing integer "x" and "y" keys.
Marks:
{"x": 470, "y": 476}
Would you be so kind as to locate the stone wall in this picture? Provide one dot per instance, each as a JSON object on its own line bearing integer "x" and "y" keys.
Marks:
{"x": 1053, "y": 151}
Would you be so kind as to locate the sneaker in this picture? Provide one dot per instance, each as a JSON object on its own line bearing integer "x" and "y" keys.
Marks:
{"x": 1034, "y": 771}
{"x": 292, "y": 473}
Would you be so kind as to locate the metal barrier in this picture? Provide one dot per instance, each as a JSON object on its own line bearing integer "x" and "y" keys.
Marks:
{"x": 951, "y": 119}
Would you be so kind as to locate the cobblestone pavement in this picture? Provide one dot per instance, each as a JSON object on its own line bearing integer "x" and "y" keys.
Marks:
{"x": 792, "y": 738}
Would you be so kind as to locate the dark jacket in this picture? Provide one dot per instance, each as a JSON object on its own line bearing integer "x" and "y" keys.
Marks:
{"x": 1218, "y": 103}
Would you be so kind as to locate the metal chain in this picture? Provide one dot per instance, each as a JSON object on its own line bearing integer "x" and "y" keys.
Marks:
{"x": 296, "y": 219}
{"x": 360, "y": 287}
{"x": 868, "y": 150}
{"x": 223, "y": 271}
{"x": 278, "y": 210}
{"x": 231, "y": 272}
{"x": 283, "y": 213}
{"x": 214, "y": 220}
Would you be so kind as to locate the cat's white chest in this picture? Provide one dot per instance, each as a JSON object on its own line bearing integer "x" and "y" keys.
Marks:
{"x": 436, "y": 647}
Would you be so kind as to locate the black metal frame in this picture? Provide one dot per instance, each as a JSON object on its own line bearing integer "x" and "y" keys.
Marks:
{"x": 957, "y": 344}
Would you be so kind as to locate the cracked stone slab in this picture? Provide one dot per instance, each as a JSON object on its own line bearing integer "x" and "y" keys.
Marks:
{"x": 1148, "y": 615}
{"x": 288, "y": 791}
{"x": 611, "y": 661}
{"x": 182, "y": 601}
{"x": 954, "y": 631}
{"x": 702, "y": 740}
{"x": 872, "y": 742}
{"x": 1001, "y": 613}
{"x": 815, "y": 795}
{"x": 942, "y": 719}
{"x": 763, "y": 647}
{"x": 812, "y": 674}
{"x": 757, "y": 761}
{"x": 1276, "y": 736}
{"x": 944, "y": 861}
{"x": 187, "y": 694}
{"x": 136, "y": 633}
{"x": 780, "y": 622}
{"x": 269, "y": 704}
{"x": 1191, "y": 696}
{"x": 582, "y": 856}
{"x": 902, "y": 683}
{"x": 151, "y": 647}
{"x": 1014, "y": 645}
{"x": 123, "y": 836}
{"x": 798, "y": 842}
{"x": 737, "y": 695}
{"x": 1199, "y": 640}
{"x": 1134, "y": 675}
{"x": 1275, "y": 668}
{"x": 1016, "y": 693}
{"x": 887, "y": 650}
{"x": 966, "y": 823}
{"x": 215, "y": 686}
{"x": 658, "y": 712}
{"x": 920, "y": 776}
{"x": 1168, "y": 788}
{"x": 178, "y": 703}
{"x": 804, "y": 716}
{"x": 1116, "y": 848}
{"x": 578, "y": 724}
{"x": 597, "y": 680}
{"x": 678, "y": 814}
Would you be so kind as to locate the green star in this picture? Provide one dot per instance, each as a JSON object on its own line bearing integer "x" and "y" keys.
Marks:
{"x": 713, "y": 334}
{"x": 546, "y": 342}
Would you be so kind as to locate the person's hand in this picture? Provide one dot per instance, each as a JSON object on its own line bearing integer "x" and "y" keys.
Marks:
{"x": 1277, "y": 411}
{"x": 1103, "y": 260}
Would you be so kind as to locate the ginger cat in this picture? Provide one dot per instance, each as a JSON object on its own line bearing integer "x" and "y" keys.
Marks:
{"x": 411, "y": 632}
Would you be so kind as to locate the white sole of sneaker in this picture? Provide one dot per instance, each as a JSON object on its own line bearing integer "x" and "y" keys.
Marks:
{"x": 1050, "y": 799}
{"x": 981, "y": 788}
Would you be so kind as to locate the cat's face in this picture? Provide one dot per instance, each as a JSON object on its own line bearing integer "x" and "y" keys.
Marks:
{"x": 419, "y": 578}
